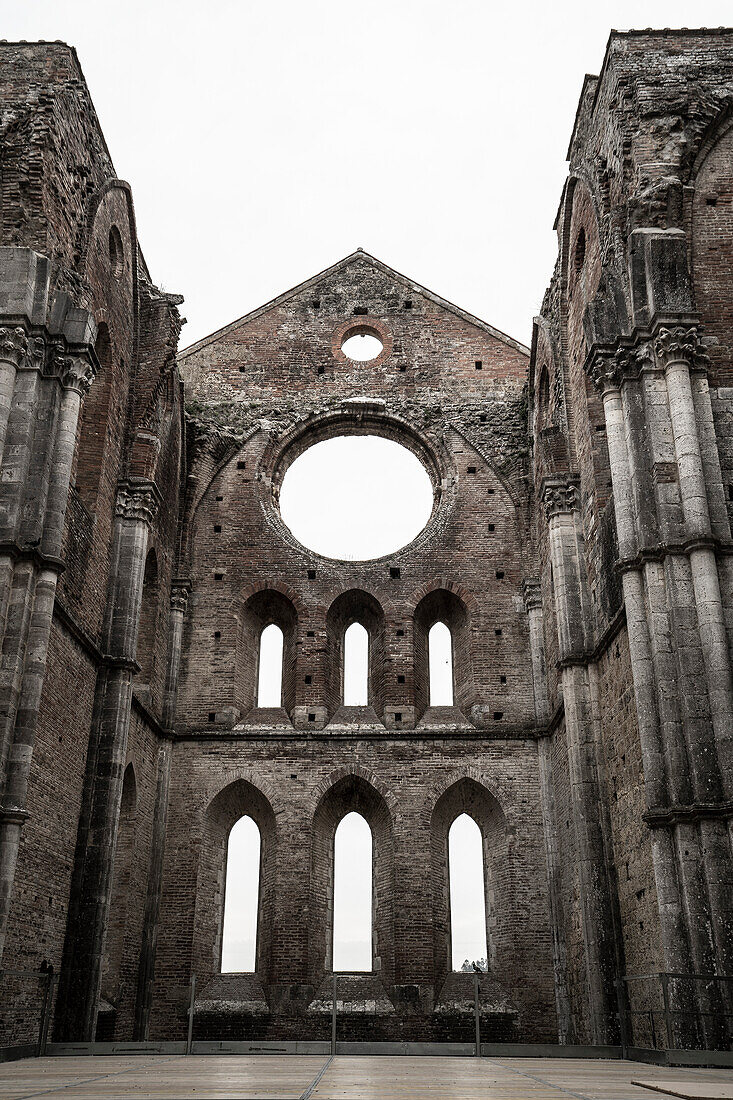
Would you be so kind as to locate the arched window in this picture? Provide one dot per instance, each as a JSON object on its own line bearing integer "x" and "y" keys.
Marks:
{"x": 270, "y": 670}
{"x": 352, "y": 894}
{"x": 440, "y": 658}
{"x": 241, "y": 898}
{"x": 467, "y": 894}
{"x": 356, "y": 666}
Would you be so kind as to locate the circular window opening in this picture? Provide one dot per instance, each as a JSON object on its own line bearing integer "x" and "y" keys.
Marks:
{"x": 356, "y": 497}
{"x": 361, "y": 345}
{"x": 116, "y": 252}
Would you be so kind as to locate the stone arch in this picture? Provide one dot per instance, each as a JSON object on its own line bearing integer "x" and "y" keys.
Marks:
{"x": 470, "y": 795}
{"x": 239, "y": 798}
{"x": 354, "y": 606}
{"x": 264, "y": 606}
{"x": 443, "y": 604}
{"x": 351, "y": 791}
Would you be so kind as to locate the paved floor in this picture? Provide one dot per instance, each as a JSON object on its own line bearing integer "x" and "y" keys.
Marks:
{"x": 294, "y": 1077}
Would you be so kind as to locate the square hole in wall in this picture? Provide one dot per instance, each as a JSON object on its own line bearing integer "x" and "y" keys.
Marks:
{"x": 400, "y": 679}
{"x": 498, "y": 715}
{"x": 311, "y": 717}
{"x": 217, "y": 528}
{"x": 395, "y": 572}
{"x": 218, "y": 576}
{"x": 492, "y": 527}
{"x": 217, "y": 634}
{"x": 479, "y": 365}
{"x": 730, "y": 492}
{"x": 408, "y": 303}
{"x": 398, "y": 716}
{"x": 321, "y": 369}
{"x": 402, "y": 368}
{"x": 502, "y": 679}
{"x": 483, "y": 418}
{"x": 220, "y": 498}
{"x": 309, "y": 679}
{"x": 490, "y": 492}
{"x": 498, "y": 632}
{"x": 316, "y": 303}
{"x": 241, "y": 465}
{"x": 400, "y": 633}
{"x": 360, "y": 311}
{"x": 500, "y": 574}
{"x": 471, "y": 469}
{"x": 311, "y": 574}
{"x": 212, "y": 716}
{"x": 241, "y": 368}
{"x": 310, "y": 633}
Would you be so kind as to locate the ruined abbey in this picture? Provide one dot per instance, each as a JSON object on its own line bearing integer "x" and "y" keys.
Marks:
{"x": 579, "y": 551}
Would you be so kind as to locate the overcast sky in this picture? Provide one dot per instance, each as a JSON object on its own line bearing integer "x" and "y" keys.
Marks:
{"x": 264, "y": 141}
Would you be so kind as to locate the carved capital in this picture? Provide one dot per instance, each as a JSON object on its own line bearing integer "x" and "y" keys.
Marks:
{"x": 180, "y": 589}
{"x": 532, "y": 593}
{"x": 137, "y": 499}
{"x": 681, "y": 343}
{"x": 560, "y": 496}
{"x": 74, "y": 372}
{"x": 13, "y": 345}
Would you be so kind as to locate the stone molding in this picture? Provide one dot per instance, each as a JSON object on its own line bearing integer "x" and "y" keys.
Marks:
{"x": 138, "y": 499}
{"x": 660, "y": 816}
{"x": 560, "y": 496}
{"x": 610, "y": 365}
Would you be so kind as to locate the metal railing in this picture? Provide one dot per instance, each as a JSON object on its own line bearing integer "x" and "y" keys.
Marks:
{"x": 191, "y": 1013}
{"x": 674, "y": 1011}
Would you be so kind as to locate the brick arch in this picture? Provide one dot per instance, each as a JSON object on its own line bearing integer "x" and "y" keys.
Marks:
{"x": 354, "y": 606}
{"x": 444, "y": 602}
{"x": 239, "y": 797}
{"x": 351, "y": 789}
{"x": 711, "y": 224}
{"x": 470, "y": 794}
{"x": 266, "y": 604}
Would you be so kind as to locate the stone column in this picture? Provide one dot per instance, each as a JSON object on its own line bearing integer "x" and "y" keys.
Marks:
{"x": 533, "y": 606}
{"x": 179, "y": 602}
{"x": 137, "y": 503}
{"x": 75, "y": 374}
{"x": 13, "y": 348}
{"x": 560, "y": 497}
{"x": 679, "y": 350}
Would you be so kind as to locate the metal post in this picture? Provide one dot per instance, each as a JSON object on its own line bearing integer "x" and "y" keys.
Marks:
{"x": 333, "y": 1016}
{"x": 51, "y": 978}
{"x": 622, "y": 1022}
{"x": 667, "y": 1012}
{"x": 476, "y": 1014}
{"x": 192, "y": 1001}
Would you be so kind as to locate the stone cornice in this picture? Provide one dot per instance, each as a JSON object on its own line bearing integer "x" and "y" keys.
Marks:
{"x": 31, "y": 553}
{"x": 661, "y": 550}
{"x": 660, "y": 816}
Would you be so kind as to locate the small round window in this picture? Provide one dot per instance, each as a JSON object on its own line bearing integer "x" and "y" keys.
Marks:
{"x": 116, "y": 252}
{"x": 362, "y": 344}
{"x": 356, "y": 497}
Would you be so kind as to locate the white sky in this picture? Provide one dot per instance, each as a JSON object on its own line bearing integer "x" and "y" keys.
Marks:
{"x": 265, "y": 140}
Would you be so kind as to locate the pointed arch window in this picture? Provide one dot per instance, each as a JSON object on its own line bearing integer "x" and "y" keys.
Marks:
{"x": 270, "y": 668}
{"x": 241, "y": 898}
{"x": 440, "y": 659}
{"x": 467, "y": 894}
{"x": 352, "y": 895}
{"x": 356, "y": 666}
